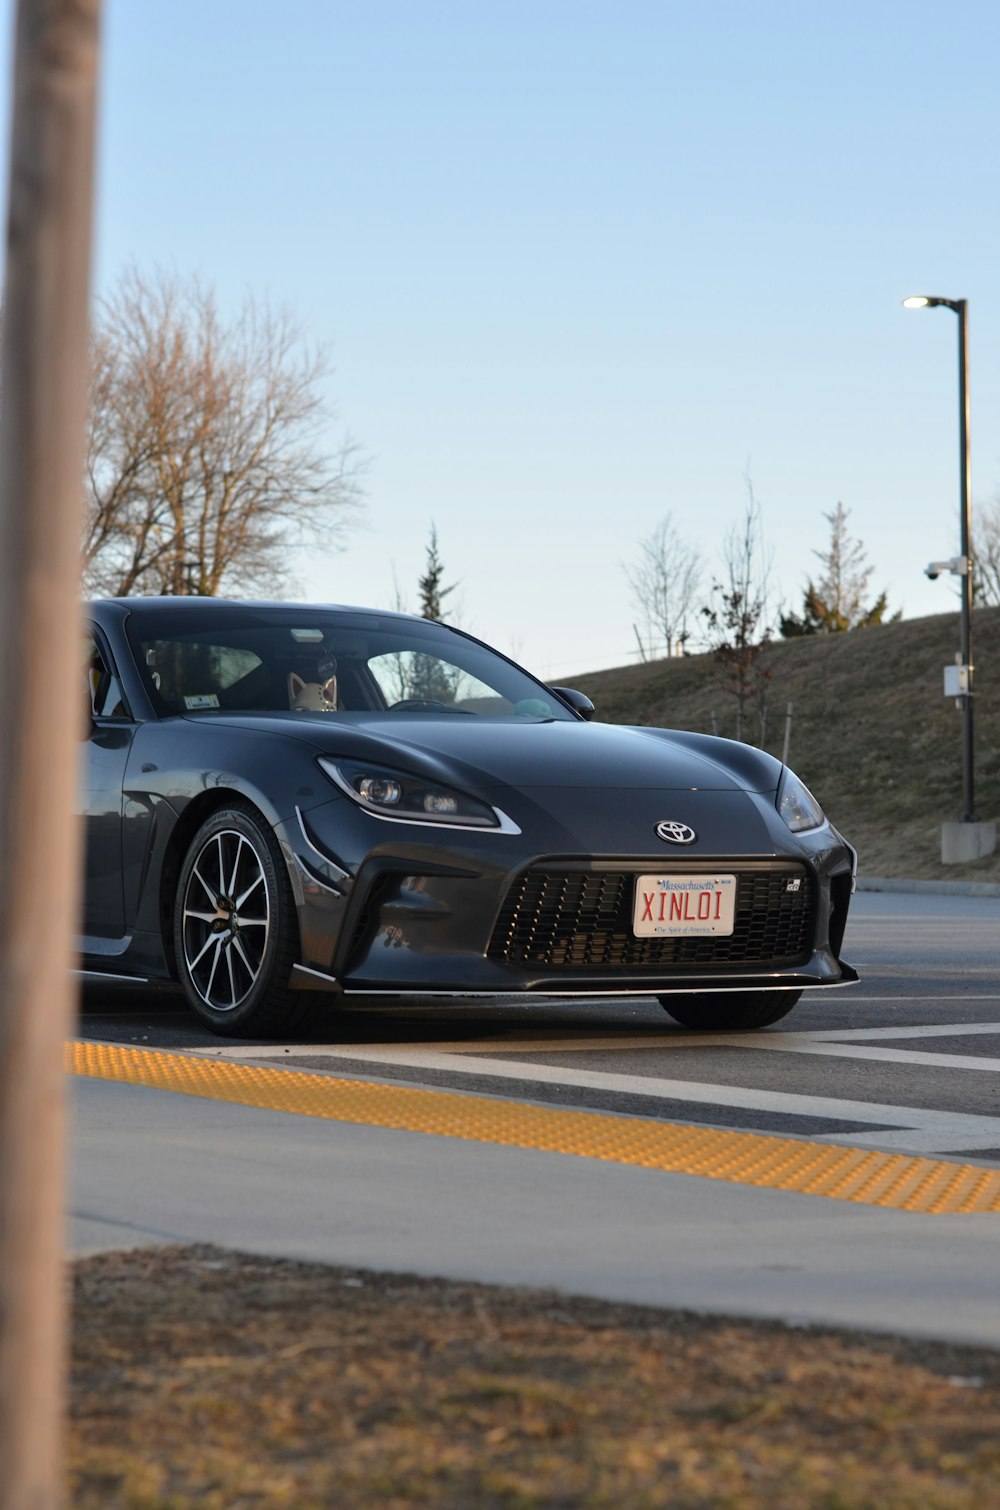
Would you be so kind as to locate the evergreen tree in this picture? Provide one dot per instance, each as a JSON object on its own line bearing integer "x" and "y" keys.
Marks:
{"x": 836, "y": 601}
{"x": 432, "y": 594}
{"x": 430, "y": 679}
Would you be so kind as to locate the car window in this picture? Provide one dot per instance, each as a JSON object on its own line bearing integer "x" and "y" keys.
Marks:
{"x": 102, "y": 690}
{"x": 194, "y": 674}
{"x": 310, "y": 660}
{"x": 414, "y": 676}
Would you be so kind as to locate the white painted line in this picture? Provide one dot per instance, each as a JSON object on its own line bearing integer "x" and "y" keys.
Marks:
{"x": 520, "y": 1041}
{"x": 929, "y": 1030}
{"x": 674, "y": 1039}
{"x": 921, "y": 1129}
{"x": 878, "y": 970}
{"x": 978, "y": 1137}
{"x": 865, "y": 919}
{"x": 794, "y": 1043}
{"x": 892, "y": 1001}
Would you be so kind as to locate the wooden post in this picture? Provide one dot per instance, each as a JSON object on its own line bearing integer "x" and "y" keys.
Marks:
{"x": 42, "y": 417}
{"x": 788, "y": 733}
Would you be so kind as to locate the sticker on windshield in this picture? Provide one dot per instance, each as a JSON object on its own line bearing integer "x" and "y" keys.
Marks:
{"x": 201, "y": 700}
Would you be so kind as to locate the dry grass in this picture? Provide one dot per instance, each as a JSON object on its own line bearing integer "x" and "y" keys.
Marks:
{"x": 873, "y": 734}
{"x": 210, "y": 1378}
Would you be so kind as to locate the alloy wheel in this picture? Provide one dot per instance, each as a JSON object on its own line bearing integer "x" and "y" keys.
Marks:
{"x": 226, "y": 920}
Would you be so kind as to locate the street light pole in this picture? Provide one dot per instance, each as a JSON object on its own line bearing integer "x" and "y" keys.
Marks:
{"x": 963, "y": 566}
{"x": 961, "y": 308}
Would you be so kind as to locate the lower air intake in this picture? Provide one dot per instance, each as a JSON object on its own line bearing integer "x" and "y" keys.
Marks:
{"x": 568, "y": 919}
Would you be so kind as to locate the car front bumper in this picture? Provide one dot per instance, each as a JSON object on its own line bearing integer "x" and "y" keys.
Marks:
{"x": 437, "y": 912}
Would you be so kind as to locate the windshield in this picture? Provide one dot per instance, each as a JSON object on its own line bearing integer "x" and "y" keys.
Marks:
{"x": 255, "y": 660}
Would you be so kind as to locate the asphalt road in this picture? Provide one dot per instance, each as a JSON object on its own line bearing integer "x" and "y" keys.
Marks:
{"x": 907, "y": 1062}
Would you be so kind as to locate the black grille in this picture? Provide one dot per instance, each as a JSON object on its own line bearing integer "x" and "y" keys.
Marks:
{"x": 567, "y": 919}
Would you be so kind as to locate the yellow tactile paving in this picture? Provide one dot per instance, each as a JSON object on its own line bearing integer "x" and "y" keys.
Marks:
{"x": 866, "y": 1176}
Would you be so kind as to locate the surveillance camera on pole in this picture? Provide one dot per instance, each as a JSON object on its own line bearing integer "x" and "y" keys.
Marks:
{"x": 957, "y": 678}
{"x": 958, "y": 566}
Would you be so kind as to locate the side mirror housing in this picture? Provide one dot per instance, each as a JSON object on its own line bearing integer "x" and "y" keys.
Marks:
{"x": 578, "y": 701}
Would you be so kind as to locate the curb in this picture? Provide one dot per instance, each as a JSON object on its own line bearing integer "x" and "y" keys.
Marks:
{"x": 931, "y": 888}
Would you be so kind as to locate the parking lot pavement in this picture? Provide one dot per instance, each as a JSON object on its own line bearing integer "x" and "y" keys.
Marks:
{"x": 906, "y": 1061}
{"x": 902, "y": 1065}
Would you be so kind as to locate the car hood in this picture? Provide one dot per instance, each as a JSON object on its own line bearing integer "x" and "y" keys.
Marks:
{"x": 525, "y": 754}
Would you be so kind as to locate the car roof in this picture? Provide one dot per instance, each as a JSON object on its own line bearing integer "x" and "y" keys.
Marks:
{"x": 193, "y": 604}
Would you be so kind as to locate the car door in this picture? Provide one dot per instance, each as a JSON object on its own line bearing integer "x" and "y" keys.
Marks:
{"x": 109, "y": 729}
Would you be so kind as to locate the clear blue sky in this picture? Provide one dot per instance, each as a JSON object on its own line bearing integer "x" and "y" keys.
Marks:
{"x": 580, "y": 260}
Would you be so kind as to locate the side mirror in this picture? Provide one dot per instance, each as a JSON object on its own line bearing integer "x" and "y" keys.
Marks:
{"x": 578, "y": 701}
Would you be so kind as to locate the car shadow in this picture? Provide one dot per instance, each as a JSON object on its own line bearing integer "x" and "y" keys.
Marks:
{"x": 160, "y": 1018}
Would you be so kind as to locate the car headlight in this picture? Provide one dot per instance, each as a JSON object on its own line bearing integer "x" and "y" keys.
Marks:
{"x": 797, "y": 805}
{"x": 396, "y": 794}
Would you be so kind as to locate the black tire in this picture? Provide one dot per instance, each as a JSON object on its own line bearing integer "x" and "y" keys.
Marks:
{"x": 236, "y": 931}
{"x": 731, "y": 1012}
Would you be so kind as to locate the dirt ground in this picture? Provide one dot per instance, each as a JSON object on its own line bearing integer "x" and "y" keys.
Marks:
{"x": 205, "y": 1377}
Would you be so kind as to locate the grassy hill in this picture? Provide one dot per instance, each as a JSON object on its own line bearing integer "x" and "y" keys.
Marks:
{"x": 872, "y": 734}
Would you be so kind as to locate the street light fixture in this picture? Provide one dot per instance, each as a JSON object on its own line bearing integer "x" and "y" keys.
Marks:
{"x": 961, "y": 565}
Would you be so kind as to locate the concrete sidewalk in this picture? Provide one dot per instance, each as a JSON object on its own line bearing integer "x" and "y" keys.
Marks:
{"x": 151, "y": 1166}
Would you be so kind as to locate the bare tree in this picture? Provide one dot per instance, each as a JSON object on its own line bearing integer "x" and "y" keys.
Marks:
{"x": 837, "y": 600}
{"x": 664, "y": 580}
{"x": 206, "y": 456}
{"x": 736, "y": 618}
{"x": 986, "y": 554}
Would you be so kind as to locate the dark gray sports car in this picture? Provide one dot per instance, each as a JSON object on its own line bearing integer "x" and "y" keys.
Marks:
{"x": 286, "y": 803}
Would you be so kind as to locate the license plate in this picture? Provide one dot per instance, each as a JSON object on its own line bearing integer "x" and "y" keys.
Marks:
{"x": 684, "y": 906}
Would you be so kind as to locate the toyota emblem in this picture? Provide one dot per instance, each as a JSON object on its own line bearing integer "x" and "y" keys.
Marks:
{"x": 672, "y": 832}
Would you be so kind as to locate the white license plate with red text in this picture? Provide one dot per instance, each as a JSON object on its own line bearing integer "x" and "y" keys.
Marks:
{"x": 684, "y": 906}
